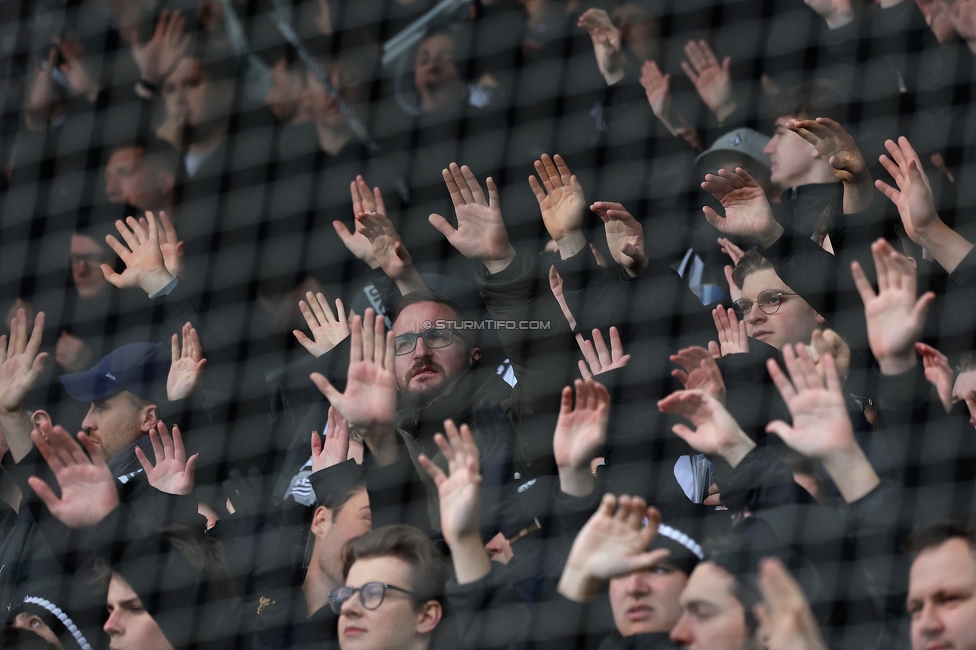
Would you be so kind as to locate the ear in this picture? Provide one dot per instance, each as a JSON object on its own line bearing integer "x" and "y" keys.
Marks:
{"x": 39, "y": 418}
{"x": 475, "y": 355}
{"x": 821, "y": 320}
{"x": 147, "y": 418}
{"x": 429, "y": 616}
{"x": 167, "y": 182}
{"x": 321, "y": 521}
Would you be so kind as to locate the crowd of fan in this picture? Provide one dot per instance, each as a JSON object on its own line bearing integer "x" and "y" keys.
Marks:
{"x": 729, "y": 405}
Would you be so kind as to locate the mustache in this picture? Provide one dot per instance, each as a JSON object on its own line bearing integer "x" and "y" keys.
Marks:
{"x": 425, "y": 363}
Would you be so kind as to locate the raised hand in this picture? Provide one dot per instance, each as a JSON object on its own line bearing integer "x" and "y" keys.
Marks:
{"x": 186, "y": 366}
{"x": 625, "y": 236}
{"x": 157, "y": 58}
{"x": 561, "y": 200}
{"x": 730, "y": 249}
{"x": 657, "y": 87}
{"x": 335, "y": 448}
{"x": 389, "y": 251}
{"x": 598, "y": 358}
{"x": 715, "y": 433}
{"x": 142, "y": 255}
{"x": 914, "y": 197}
{"x": 828, "y": 341}
{"x": 612, "y": 543}
{"x": 894, "y": 317}
{"x": 747, "y": 211}
{"x": 786, "y": 621}
{"x": 712, "y": 80}
{"x": 699, "y": 372}
{"x": 173, "y": 472}
{"x": 938, "y": 372}
{"x": 460, "y": 500}
{"x": 607, "y": 45}
{"x": 732, "y": 337}
{"x": 821, "y": 427}
{"x": 369, "y": 403}
{"x": 581, "y": 432}
{"x": 169, "y": 244}
{"x": 836, "y": 13}
{"x": 40, "y": 94}
{"x": 327, "y": 330}
{"x": 480, "y": 233}
{"x": 88, "y": 491}
{"x": 75, "y": 70}
{"x": 837, "y": 147}
{"x": 20, "y": 362}
{"x": 556, "y": 285}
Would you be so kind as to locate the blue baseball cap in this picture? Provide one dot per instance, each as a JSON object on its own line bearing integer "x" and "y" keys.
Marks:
{"x": 140, "y": 368}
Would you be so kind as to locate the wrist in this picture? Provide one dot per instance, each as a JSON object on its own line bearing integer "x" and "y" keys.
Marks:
{"x": 770, "y": 236}
{"x": 734, "y": 454}
{"x": 570, "y": 244}
{"x": 578, "y": 585}
{"x": 897, "y": 364}
{"x": 470, "y": 560}
{"x": 637, "y": 269}
{"x": 725, "y": 110}
{"x": 501, "y": 262}
{"x": 838, "y": 19}
{"x": 380, "y": 439}
{"x": 615, "y": 75}
{"x": 851, "y": 472}
{"x": 576, "y": 481}
{"x": 155, "y": 280}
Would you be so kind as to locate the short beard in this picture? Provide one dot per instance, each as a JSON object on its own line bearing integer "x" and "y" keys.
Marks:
{"x": 417, "y": 398}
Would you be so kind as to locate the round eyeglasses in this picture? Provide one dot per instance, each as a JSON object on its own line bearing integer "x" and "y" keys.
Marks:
{"x": 769, "y": 302}
{"x": 371, "y": 595}
{"x": 434, "y": 339}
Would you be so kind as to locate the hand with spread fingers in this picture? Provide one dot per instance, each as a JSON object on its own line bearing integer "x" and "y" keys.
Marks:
{"x": 335, "y": 448}
{"x": 938, "y": 372}
{"x": 142, "y": 255}
{"x": 581, "y": 433}
{"x": 895, "y": 317}
{"x": 187, "y": 364}
{"x": 21, "y": 364}
{"x": 480, "y": 233}
{"x": 562, "y": 203}
{"x": 607, "y": 44}
{"x": 598, "y": 359}
{"x": 88, "y": 492}
{"x": 747, "y": 211}
{"x": 328, "y": 329}
{"x": 821, "y": 427}
{"x": 158, "y": 57}
{"x": 169, "y": 244}
{"x": 612, "y": 543}
{"x": 389, "y": 251}
{"x": 712, "y": 80}
{"x": 173, "y": 472}
{"x": 363, "y": 201}
{"x": 836, "y": 146}
{"x": 657, "y": 87}
{"x": 828, "y": 341}
{"x": 369, "y": 401}
{"x": 699, "y": 371}
{"x": 625, "y": 236}
{"x": 75, "y": 68}
{"x": 459, "y": 492}
{"x": 716, "y": 432}
{"x": 732, "y": 337}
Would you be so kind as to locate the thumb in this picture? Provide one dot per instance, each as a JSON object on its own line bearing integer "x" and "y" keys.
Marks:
{"x": 190, "y": 470}
{"x": 44, "y": 493}
{"x": 442, "y": 226}
{"x": 781, "y": 429}
{"x": 326, "y": 388}
{"x": 713, "y": 218}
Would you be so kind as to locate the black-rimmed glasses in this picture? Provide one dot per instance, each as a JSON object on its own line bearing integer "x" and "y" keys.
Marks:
{"x": 434, "y": 339}
{"x": 371, "y": 595}
{"x": 769, "y": 302}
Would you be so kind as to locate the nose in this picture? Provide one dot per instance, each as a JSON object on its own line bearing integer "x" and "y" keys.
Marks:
{"x": 421, "y": 350}
{"x": 769, "y": 148}
{"x": 754, "y": 315}
{"x": 88, "y": 424}
{"x": 681, "y": 632}
{"x": 352, "y": 608}
{"x": 637, "y": 584}
{"x": 113, "y": 626}
{"x": 929, "y": 623}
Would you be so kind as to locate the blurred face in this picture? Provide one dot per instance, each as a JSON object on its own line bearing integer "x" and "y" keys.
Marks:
{"x": 184, "y": 90}
{"x": 637, "y": 29}
{"x": 129, "y": 625}
{"x": 397, "y": 623}
{"x": 354, "y": 520}
{"x": 323, "y": 105}
{"x": 964, "y": 390}
{"x": 436, "y": 75}
{"x": 712, "y": 618}
{"x": 647, "y": 601}
{"x": 33, "y": 623}
{"x": 87, "y": 257}
{"x": 124, "y": 174}
{"x": 116, "y": 422}
{"x": 938, "y": 16}
{"x": 963, "y": 15}
{"x": 942, "y": 597}
{"x": 287, "y": 91}
{"x": 792, "y": 159}
{"x": 423, "y": 373}
{"x": 795, "y": 320}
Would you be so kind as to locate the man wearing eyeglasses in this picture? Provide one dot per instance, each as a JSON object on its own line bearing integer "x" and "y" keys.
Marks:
{"x": 393, "y": 593}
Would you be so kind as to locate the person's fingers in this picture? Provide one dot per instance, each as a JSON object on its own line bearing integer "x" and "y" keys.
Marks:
{"x": 781, "y": 429}
{"x": 341, "y": 312}
{"x": 435, "y": 472}
{"x": 120, "y": 249}
{"x": 922, "y": 305}
{"x": 326, "y": 388}
{"x": 565, "y": 175}
{"x": 746, "y": 177}
{"x": 452, "y": 185}
{"x": 780, "y": 380}
{"x": 305, "y": 342}
{"x": 714, "y": 349}
{"x": 566, "y": 401}
{"x": 540, "y": 195}
{"x": 357, "y": 202}
{"x": 603, "y": 352}
{"x": 862, "y": 283}
{"x": 492, "y": 192}
{"x": 368, "y": 340}
{"x": 584, "y": 370}
{"x": 690, "y": 72}
{"x": 713, "y": 218}
{"x": 179, "y": 450}
{"x": 190, "y": 468}
{"x": 462, "y": 183}
{"x": 552, "y": 172}
{"x": 37, "y": 334}
{"x": 317, "y": 308}
{"x": 316, "y": 444}
{"x": 442, "y": 226}
{"x": 616, "y": 344}
{"x": 607, "y": 506}
{"x": 379, "y": 341}
{"x": 143, "y": 460}
{"x": 48, "y": 453}
{"x": 590, "y": 355}
{"x": 582, "y": 395}
{"x": 473, "y": 185}
{"x": 44, "y": 493}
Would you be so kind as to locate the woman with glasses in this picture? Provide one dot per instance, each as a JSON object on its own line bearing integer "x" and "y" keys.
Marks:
{"x": 393, "y": 596}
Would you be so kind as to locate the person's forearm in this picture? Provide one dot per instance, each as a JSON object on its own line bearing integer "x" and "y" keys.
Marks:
{"x": 725, "y": 110}
{"x": 896, "y": 364}
{"x": 410, "y": 281}
{"x": 946, "y": 246}
{"x": 577, "y": 585}
{"x": 471, "y": 562}
{"x": 154, "y": 281}
{"x": 858, "y": 195}
{"x": 576, "y": 481}
{"x": 499, "y": 264}
{"x": 770, "y": 236}
{"x": 570, "y": 244}
{"x": 16, "y": 429}
{"x": 382, "y": 443}
{"x": 852, "y": 473}
{"x": 734, "y": 455}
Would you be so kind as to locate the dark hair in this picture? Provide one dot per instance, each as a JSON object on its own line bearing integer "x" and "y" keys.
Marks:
{"x": 408, "y": 544}
{"x": 155, "y": 152}
{"x": 751, "y": 262}
{"x": 471, "y": 337}
{"x": 809, "y": 101}
{"x": 207, "y": 556}
{"x": 934, "y": 535}
{"x": 966, "y": 363}
{"x": 740, "y": 560}
{"x": 339, "y": 497}
{"x": 13, "y": 637}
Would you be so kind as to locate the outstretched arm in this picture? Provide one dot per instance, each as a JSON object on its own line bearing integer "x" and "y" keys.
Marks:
{"x": 607, "y": 44}
{"x": 20, "y": 366}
